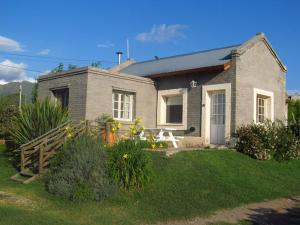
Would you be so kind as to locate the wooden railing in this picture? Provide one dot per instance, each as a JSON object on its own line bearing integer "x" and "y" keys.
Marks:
{"x": 35, "y": 155}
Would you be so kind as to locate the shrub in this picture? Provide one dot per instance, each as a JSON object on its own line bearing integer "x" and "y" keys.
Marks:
{"x": 287, "y": 145}
{"x": 36, "y": 119}
{"x": 250, "y": 141}
{"x": 264, "y": 141}
{"x": 294, "y": 116}
{"x": 8, "y": 110}
{"x": 79, "y": 172}
{"x": 129, "y": 165}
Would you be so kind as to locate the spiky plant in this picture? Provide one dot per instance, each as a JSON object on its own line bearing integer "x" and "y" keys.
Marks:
{"x": 36, "y": 119}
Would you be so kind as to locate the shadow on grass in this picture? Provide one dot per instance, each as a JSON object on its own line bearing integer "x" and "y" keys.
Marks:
{"x": 267, "y": 216}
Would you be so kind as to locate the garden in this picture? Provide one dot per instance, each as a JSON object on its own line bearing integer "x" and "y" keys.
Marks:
{"x": 90, "y": 181}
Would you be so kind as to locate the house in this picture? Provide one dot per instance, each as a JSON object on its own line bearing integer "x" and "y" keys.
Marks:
{"x": 206, "y": 95}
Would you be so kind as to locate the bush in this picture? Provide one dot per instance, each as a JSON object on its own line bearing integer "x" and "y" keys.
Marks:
{"x": 287, "y": 145}
{"x": 129, "y": 165}
{"x": 79, "y": 172}
{"x": 8, "y": 110}
{"x": 264, "y": 141}
{"x": 36, "y": 119}
{"x": 250, "y": 141}
{"x": 294, "y": 116}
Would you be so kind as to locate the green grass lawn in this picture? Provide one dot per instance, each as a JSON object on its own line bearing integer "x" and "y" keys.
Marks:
{"x": 186, "y": 185}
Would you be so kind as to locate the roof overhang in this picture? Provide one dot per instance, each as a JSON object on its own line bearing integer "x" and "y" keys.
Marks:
{"x": 209, "y": 69}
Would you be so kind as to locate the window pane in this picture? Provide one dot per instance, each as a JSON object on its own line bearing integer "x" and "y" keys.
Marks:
{"x": 115, "y": 113}
{"x": 116, "y": 97}
{"x": 174, "y": 100}
{"x": 174, "y": 109}
{"x": 115, "y": 105}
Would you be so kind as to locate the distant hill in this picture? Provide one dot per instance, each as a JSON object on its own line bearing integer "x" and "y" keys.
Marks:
{"x": 13, "y": 87}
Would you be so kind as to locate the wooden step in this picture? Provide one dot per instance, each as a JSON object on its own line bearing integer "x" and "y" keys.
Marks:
{"x": 27, "y": 173}
{"x": 24, "y": 179}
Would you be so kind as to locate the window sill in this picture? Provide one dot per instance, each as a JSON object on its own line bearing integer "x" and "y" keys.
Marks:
{"x": 129, "y": 122}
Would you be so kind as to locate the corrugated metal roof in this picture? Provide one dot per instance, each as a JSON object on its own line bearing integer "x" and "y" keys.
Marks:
{"x": 193, "y": 60}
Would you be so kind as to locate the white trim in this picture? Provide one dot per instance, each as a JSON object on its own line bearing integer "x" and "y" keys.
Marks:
{"x": 269, "y": 103}
{"x": 161, "y": 108}
{"x": 205, "y": 120}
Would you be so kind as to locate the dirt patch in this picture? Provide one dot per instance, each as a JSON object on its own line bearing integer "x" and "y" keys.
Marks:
{"x": 281, "y": 211}
{"x": 9, "y": 198}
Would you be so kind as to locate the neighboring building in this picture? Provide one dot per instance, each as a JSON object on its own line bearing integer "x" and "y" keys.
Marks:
{"x": 206, "y": 94}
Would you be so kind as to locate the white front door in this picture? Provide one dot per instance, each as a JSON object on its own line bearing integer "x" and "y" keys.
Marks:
{"x": 217, "y": 118}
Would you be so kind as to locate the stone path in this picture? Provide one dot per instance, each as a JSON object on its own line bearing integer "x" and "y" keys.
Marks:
{"x": 285, "y": 211}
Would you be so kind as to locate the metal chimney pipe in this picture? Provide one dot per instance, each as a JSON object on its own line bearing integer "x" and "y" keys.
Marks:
{"x": 119, "y": 57}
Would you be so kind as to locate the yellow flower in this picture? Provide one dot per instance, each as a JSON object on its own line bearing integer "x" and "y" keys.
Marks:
{"x": 153, "y": 146}
{"x": 113, "y": 129}
{"x": 161, "y": 146}
{"x": 125, "y": 156}
{"x": 119, "y": 125}
{"x": 69, "y": 135}
{"x": 143, "y": 127}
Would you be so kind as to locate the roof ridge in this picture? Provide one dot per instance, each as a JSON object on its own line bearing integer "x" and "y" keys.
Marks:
{"x": 185, "y": 54}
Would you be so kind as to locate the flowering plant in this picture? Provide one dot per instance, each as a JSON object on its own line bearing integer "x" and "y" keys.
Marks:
{"x": 136, "y": 128}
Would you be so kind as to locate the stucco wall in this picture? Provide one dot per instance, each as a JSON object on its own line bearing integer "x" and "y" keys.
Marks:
{"x": 257, "y": 68}
{"x": 75, "y": 81}
{"x": 194, "y": 109}
{"x": 99, "y": 95}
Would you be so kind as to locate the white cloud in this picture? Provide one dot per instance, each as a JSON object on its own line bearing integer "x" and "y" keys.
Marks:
{"x": 10, "y": 71}
{"x": 44, "y": 52}
{"x": 107, "y": 44}
{"x": 9, "y": 45}
{"x": 162, "y": 33}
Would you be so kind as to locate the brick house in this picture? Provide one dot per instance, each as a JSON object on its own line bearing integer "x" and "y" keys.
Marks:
{"x": 205, "y": 95}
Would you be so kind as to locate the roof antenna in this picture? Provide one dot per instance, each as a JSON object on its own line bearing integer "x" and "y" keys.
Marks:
{"x": 127, "y": 42}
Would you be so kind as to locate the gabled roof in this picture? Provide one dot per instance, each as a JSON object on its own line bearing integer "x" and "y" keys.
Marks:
{"x": 201, "y": 59}
{"x": 197, "y": 60}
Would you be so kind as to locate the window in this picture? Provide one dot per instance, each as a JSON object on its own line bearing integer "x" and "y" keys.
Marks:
{"x": 260, "y": 109}
{"x": 174, "y": 107}
{"x": 122, "y": 105}
{"x": 62, "y": 96}
{"x": 263, "y": 105}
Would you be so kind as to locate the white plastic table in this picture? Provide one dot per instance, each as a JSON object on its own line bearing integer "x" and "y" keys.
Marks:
{"x": 162, "y": 135}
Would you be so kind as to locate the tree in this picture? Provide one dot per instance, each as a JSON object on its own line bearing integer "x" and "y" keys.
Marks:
{"x": 96, "y": 64}
{"x": 294, "y": 111}
{"x": 71, "y": 66}
{"x": 59, "y": 68}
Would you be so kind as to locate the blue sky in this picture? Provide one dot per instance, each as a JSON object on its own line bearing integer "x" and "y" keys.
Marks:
{"x": 53, "y": 31}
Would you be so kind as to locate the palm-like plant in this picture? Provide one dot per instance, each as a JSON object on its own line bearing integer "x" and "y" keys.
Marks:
{"x": 36, "y": 119}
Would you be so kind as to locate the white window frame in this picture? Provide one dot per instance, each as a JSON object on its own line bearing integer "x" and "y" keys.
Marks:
{"x": 161, "y": 108}
{"x": 269, "y": 103}
{"x": 120, "y": 93}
